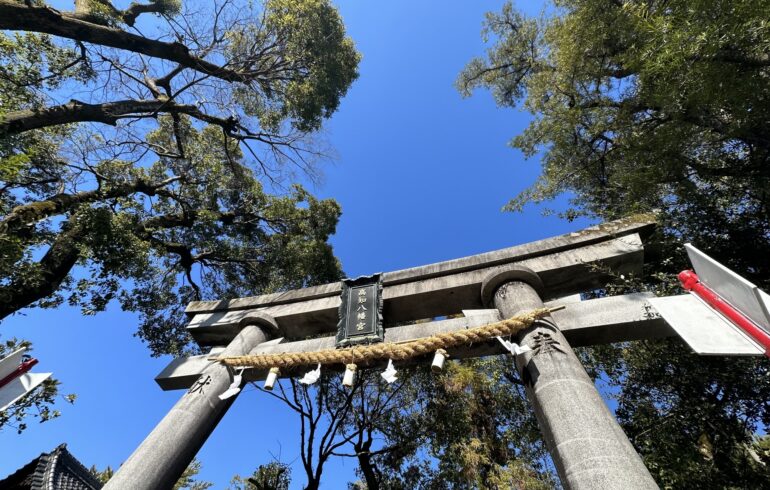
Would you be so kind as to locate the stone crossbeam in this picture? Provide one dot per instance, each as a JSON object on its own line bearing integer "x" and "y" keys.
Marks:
{"x": 567, "y": 264}
{"x": 595, "y": 321}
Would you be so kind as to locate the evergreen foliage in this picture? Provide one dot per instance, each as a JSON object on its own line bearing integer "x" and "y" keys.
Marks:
{"x": 270, "y": 476}
{"x": 656, "y": 106}
{"x": 171, "y": 181}
{"x": 187, "y": 481}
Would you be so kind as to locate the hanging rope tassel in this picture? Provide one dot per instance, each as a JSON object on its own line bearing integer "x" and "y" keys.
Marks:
{"x": 389, "y": 350}
{"x": 271, "y": 377}
{"x": 438, "y": 361}
{"x": 350, "y": 376}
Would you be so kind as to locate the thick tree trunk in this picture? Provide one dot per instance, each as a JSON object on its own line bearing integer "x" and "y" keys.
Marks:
{"x": 365, "y": 463}
{"x": 54, "y": 267}
{"x": 75, "y": 111}
{"x": 16, "y": 16}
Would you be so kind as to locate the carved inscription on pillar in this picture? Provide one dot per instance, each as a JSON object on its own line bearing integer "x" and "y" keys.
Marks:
{"x": 544, "y": 343}
{"x": 201, "y": 383}
{"x": 360, "y": 314}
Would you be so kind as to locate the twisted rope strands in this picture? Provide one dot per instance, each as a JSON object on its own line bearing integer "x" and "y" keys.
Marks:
{"x": 390, "y": 350}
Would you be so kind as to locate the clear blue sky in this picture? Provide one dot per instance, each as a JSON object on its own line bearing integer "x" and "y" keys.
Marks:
{"x": 421, "y": 175}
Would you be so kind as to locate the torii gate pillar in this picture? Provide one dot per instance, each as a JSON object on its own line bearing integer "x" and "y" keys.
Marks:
{"x": 163, "y": 456}
{"x": 588, "y": 447}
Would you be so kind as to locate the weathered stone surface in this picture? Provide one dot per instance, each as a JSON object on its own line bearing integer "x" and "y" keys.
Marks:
{"x": 563, "y": 272}
{"x": 641, "y": 225}
{"x": 588, "y": 447}
{"x": 595, "y": 321}
{"x": 162, "y": 457}
{"x": 611, "y": 319}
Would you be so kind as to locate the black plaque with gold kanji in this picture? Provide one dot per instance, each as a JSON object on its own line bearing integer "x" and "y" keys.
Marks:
{"x": 360, "y": 314}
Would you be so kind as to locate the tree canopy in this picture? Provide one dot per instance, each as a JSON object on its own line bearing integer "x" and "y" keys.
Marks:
{"x": 159, "y": 194}
{"x": 641, "y": 106}
{"x": 467, "y": 427}
{"x": 656, "y": 106}
{"x": 147, "y": 155}
{"x": 270, "y": 476}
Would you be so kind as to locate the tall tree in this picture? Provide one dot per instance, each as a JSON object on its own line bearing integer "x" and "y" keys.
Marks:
{"x": 158, "y": 195}
{"x": 355, "y": 422}
{"x": 482, "y": 430}
{"x": 664, "y": 106}
{"x": 641, "y": 106}
{"x": 469, "y": 427}
{"x": 167, "y": 178}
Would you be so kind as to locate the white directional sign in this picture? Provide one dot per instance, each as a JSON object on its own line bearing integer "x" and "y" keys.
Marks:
{"x": 740, "y": 293}
{"x": 705, "y": 329}
{"x": 16, "y": 388}
{"x": 13, "y": 391}
{"x": 10, "y": 363}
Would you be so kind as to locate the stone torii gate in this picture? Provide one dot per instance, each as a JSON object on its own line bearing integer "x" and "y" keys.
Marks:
{"x": 588, "y": 447}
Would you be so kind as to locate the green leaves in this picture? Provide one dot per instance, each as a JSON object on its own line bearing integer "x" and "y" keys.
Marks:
{"x": 270, "y": 476}
{"x": 514, "y": 57}
{"x": 188, "y": 480}
{"x": 211, "y": 232}
{"x": 167, "y": 208}
{"x": 12, "y": 165}
{"x": 308, "y": 63}
{"x": 691, "y": 418}
{"x": 482, "y": 429}
{"x": 642, "y": 106}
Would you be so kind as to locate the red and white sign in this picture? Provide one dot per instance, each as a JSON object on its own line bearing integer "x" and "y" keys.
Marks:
{"x": 15, "y": 378}
{"x": 723, "y": 314}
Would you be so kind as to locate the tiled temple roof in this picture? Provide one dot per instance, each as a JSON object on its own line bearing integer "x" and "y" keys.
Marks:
{"x": 57, "y": 470}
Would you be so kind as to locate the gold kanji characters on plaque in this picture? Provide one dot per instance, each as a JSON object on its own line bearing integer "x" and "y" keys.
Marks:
{"x": 361, "y": 310}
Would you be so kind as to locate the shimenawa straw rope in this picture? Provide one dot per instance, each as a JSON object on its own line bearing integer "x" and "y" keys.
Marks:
{"x": 390, "y": 350}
